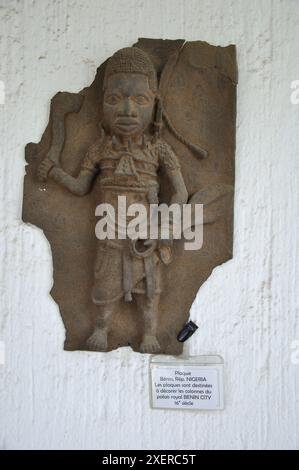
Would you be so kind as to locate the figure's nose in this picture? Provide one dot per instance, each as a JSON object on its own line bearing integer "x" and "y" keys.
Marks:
{"x": 128, "y": 108}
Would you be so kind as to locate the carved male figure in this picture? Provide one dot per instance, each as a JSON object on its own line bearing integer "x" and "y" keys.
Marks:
{"x": 126, "y": 161}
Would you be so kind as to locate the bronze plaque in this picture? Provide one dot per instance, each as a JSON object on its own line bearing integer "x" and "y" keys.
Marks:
{"x": 157, "y": 125}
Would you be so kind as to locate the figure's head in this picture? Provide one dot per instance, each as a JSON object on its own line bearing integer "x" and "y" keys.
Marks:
{"x": 130, "y": 88}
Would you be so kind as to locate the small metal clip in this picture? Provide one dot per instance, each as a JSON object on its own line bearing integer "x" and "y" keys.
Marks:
{"x": 187, "y": 331}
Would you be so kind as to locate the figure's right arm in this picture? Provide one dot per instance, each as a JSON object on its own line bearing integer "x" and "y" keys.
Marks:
{"x": 79, "y": 185}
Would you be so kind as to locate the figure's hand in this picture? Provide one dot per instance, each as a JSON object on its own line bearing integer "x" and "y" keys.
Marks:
{"x": 165, "y": 250}
{"x": 44, "y": 169}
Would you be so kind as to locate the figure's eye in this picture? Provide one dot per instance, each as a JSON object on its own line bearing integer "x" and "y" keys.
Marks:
{"x": 141, "y": 99}
{"x": 112, "y": 99}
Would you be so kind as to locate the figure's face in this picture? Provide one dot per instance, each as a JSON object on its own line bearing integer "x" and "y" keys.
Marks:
{"x": 128, "y": 104}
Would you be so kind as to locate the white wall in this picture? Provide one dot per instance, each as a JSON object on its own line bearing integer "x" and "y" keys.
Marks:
{"x": 248, "y": 309}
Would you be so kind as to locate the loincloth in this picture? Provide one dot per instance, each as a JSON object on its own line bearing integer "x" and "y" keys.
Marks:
{"x": 119, "y": 273}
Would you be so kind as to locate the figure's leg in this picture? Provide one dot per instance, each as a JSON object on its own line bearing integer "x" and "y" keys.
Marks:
{"x": 98, "y": 341}
{"x": 149, "y": 310}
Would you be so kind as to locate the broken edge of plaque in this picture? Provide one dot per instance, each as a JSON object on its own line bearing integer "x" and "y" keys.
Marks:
{"x": 209, "y": 367}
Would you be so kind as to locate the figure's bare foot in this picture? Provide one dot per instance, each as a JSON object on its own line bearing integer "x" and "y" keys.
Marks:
{"x": 150, "y": 344}
{"x": 98, "y": 340}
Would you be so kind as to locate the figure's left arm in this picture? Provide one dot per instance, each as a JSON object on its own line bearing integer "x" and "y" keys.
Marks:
{"x": 180, "y": 194}
{"x": 169, "y": 162}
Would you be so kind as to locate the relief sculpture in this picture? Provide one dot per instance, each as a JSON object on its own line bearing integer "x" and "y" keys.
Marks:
{"x": 154, "y": 131}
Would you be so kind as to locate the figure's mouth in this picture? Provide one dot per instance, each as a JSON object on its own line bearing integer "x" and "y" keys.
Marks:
{"x": 126, "y": 124}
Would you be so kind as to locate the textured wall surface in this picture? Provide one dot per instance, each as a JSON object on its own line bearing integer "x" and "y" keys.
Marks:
{"x": 247, "y": 310}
